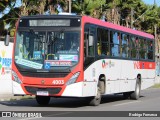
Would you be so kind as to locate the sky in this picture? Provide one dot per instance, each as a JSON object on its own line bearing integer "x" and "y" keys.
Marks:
{"x": 151, "y": 2}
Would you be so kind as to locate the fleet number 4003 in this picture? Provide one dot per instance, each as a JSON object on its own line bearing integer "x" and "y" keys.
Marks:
{"x": 58, "y": 82}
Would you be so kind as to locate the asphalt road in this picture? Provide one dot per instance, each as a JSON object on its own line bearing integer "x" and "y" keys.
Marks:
{"x": 149, "y": 101}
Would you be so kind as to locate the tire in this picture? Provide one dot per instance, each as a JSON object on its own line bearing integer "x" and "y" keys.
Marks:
{"x": 42, "y": 100}
{"x": 96, "y": 100}
{"x": 102, "y": 86}
{"x": 136, "y": 94}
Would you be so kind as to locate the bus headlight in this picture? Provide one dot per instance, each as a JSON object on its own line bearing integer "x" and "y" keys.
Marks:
{"x": 16, "y": 78}
{"x": 73, "y": 78}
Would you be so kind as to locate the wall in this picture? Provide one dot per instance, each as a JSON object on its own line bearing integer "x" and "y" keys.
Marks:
{"x": 5, "y": 68}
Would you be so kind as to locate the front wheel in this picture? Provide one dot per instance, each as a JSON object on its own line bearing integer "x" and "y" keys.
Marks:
{"x": 96, "y": 100}
{"x": 42, "y": 100}
{"x": 136, "y": 94}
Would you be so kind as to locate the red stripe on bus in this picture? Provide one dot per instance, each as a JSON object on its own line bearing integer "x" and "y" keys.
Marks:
{"x": 144, "y": 65}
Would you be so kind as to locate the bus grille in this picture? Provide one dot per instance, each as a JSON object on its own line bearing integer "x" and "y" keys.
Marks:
{"x": 44, "y": 75}
{"x": 51, "y": 91}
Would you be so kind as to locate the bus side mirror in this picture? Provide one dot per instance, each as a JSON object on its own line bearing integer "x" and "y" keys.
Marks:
{"x": 91, "y": 38}
{"x": 7, "y": 39}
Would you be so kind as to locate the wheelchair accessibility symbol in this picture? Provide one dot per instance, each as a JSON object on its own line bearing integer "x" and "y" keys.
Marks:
{"x": 47, "y": 66}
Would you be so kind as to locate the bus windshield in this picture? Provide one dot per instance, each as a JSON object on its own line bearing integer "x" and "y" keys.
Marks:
{"x": 49, "y": 50}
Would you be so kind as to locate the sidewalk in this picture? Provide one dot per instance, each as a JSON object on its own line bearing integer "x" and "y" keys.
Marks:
{"x": 157, "y": 80}
{"x": 8, "y": 97}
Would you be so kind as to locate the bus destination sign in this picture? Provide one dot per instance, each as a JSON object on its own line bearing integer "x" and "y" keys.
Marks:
{"x": 57, "y": 22}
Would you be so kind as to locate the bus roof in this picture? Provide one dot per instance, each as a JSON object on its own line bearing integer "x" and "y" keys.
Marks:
{"x": 88, "y": 19}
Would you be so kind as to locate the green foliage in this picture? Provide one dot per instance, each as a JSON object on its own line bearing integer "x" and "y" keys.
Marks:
{"x": 117, "y": 11}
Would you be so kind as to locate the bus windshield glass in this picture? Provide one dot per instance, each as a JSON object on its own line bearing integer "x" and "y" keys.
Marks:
{"x": 50, "y": 50}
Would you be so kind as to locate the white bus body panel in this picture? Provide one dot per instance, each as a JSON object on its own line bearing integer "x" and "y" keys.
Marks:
{"x": 17, "y": 89}
{"x": 120, "y": 75}
{"x": 80, "y": 89}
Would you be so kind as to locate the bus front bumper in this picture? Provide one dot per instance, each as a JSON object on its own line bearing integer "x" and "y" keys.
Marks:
{"x": 79, "y": 89}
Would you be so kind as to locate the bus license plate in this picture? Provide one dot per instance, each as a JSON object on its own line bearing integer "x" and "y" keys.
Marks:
{"x": 43, "y": 93}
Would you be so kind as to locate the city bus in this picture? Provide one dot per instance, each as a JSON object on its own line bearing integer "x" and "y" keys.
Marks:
{"x": 80, "y": 56}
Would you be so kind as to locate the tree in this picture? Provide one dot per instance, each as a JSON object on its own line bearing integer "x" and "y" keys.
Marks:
{"x": 123, "y": 12}
{"x": 88, "y": 7}
{"x": 5, "y": 6}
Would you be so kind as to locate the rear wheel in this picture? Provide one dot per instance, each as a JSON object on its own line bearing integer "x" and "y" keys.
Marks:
{"x": 42, "y": 100}
{"x": 96, "y": 100}
{"x": 136, "y": 94}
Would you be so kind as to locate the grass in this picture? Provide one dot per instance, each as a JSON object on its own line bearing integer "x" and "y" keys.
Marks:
{"x": 22, "y": 98}
{"x": 156, "y": 86}
{"x": 27, "y": 97}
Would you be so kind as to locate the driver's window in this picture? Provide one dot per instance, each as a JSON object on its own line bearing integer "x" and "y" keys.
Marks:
{"x": 89, "y": 48}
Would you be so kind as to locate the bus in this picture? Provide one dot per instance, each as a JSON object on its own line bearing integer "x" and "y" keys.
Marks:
{"x": 80, "y": 56}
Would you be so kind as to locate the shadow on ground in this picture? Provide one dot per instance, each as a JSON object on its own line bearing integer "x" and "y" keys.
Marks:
{"x": 62, "y": 102}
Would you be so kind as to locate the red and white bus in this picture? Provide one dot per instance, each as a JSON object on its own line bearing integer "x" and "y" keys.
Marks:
{"x": 80, "y": 56}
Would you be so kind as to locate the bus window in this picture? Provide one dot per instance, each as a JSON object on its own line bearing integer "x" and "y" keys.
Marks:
{"x": 142, "y": 49}
{"x": 91, "y": 45}
{"x": 150, "y": 50}
{"x": 134, "y": 47}
{"x": 89, "y": 40}
{"x": 124, "y": 46}
{"x": 102, "y": 45}
{"x": 114, "y": 43}
{"x": 99, "y": 41}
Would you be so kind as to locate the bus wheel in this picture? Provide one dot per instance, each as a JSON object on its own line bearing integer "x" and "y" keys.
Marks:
{"x": 136, "y": 94}
{"x": 96, "y": 100}
{"x": 42, "y": 100}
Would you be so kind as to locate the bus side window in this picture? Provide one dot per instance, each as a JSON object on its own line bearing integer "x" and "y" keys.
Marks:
{"x": 115, "y": 44}
{"x": 105, "y": 46}
{"x": 150, "y": 50}
{"x": 142, "y": 49}
{"x": 124, "y": 46}
{"x": 134, "y": 47}
{"x": 91, "y": 45}
{"x": 99, "y": 41}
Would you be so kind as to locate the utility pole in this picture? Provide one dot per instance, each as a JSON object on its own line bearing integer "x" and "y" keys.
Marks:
{"x": 154, "y": 2}
{"x": 156, "y": 42}
{"x": 70, "y": 5}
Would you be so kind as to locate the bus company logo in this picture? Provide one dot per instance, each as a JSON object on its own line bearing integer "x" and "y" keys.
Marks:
{"x": 109, "y": 64}
{"x": 104, "y": 64}
{"x": 42, "y": 81}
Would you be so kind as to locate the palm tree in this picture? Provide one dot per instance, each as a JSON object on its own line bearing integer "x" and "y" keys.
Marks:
{"x": 88, "y": 7}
